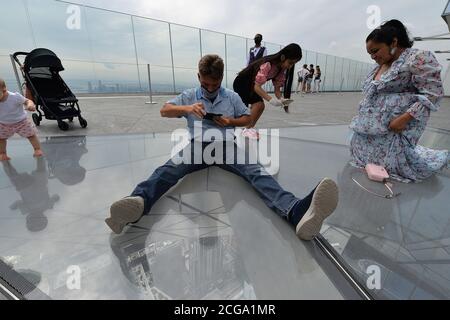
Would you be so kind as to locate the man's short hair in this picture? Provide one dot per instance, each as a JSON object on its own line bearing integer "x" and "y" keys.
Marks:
{"x": 212, "y": 66}
{"x": 2, "y": 83}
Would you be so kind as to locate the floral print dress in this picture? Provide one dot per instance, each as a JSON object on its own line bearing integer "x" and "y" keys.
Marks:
{"x": 412, "y": 84}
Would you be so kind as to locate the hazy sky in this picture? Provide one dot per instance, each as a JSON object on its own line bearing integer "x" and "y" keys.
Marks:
{"x": 328, "y": 26}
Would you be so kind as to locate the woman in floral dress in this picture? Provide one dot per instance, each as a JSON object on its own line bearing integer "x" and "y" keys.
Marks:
{"x": 399, "y": 95}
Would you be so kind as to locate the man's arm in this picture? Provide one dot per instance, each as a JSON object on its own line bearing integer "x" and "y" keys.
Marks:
{"x": 242, "y": 121}
{"x": 174, "y": 111}
{"x": 241, "y": 114}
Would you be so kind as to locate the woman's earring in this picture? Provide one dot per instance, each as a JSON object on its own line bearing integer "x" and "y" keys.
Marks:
{"x": 393, "y": 51}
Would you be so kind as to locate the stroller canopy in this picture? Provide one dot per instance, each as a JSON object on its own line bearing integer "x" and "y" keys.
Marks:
{"x": 43, "y": 58}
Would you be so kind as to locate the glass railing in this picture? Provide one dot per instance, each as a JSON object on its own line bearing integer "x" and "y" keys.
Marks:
{"x": 109, "y": 52}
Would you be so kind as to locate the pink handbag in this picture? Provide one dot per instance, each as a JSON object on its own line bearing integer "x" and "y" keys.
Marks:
{"x": 376, "y": 173}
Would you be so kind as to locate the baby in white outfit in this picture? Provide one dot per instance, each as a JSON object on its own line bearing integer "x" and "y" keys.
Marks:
{"x": 13, "y": 119}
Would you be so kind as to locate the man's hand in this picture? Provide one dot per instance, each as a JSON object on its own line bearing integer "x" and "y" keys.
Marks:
{"x": 399, "y": 124}
{"x": 223, "y": 122}
{"x": 198, "y": 109}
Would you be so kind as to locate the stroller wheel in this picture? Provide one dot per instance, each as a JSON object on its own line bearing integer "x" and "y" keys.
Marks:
{"x": 36, "y": 119}
{"x": 63, "y": 126}
{"x": 83, "y": 122}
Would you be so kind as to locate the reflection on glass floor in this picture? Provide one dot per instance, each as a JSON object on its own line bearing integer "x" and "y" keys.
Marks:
{"x": 211, "y": 237}
{"x": 406, "y": 240}
{"x": 203, "y": 240}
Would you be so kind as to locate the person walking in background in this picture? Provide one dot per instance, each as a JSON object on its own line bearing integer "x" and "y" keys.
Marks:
{"x": 249, "y": 82}
{"x": 317, "y": 79}
{"x": 309, "y": 78}
{"x": 299, "y": 81}
{"x": 302, "y": 73}
{"x": 257, "y": 52}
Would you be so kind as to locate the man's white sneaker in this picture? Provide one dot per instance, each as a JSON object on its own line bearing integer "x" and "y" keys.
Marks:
{"x": 323, "y": 204}
{"x": 125, "y": 211}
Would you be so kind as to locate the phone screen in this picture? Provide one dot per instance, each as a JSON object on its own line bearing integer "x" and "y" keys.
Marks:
{"x": 211, "y": 116}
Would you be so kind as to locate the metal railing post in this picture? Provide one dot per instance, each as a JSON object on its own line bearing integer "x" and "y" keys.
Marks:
{"x": 136, "y": 53}
{"x": 150, "y": 86}
{"x": 334, "y": 72}
{"x": 200, "y": 39}
{"x": 226, "y": 62}
{"x": 340, "y": 88}
{"x": 171, "y": 55}
{"x": 325, "y": 70}
{"x": 19, "y": 85}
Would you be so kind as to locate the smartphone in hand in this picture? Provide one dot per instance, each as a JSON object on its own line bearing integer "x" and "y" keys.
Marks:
{"x": 211, "y": 116}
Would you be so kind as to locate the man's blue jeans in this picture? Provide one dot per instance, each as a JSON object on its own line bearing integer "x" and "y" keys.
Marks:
{"x": 168, "y": 175}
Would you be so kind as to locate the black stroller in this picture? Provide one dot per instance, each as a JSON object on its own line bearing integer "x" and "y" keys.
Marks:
{"x": 50, "y": 93}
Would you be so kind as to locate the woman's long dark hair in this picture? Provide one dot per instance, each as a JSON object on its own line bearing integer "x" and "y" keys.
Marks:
{"x": 389, "y": 31}
{"x": 292, "y": 51}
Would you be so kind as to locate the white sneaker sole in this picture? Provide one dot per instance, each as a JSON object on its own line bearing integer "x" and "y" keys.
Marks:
{"x": 123, "y": 212}
{"x": 324, "y": 202}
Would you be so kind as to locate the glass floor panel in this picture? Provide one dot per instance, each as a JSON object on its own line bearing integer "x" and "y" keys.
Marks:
{"x": 406, "y": 241}
{"x": 207, "y": 240}
{"x": 203, "y": 240}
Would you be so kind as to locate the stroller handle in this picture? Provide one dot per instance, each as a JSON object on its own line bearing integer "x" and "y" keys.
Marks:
{"x": 16, "y": 54}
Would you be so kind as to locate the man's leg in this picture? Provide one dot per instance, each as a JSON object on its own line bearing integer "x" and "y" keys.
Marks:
{"x": 306, "y": 214}
{"x": 145, "y": 195}
{"x": 273, "y": 195}
{"x": 162, "y": 179}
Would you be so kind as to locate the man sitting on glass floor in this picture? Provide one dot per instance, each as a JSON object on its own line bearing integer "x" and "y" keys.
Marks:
{"x": 228, "y": 112}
